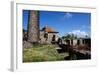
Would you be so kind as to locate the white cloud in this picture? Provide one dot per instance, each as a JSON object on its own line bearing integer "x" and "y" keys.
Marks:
{"x": 85, "y": 27}
{"x": 68, "y": 15}
{"x": 79, "y": 34}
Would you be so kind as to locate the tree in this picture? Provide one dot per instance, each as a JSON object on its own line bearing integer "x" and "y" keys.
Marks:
{"x": 69, "y": 36}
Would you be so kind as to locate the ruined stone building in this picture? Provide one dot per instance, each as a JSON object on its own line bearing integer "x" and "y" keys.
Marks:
{"x": 79, "y": 41}
{"x": 48, "y": 35}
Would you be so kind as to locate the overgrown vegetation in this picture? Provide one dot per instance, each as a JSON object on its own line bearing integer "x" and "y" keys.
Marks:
{"x": 40, "y": 53}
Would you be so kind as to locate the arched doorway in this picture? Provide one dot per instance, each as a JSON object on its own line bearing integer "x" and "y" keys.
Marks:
{"x": 54, "y": 38}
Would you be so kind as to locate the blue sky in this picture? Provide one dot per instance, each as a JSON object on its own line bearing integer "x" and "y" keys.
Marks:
{"x": 63, "y": 22}
{"x": 25, "y": 18}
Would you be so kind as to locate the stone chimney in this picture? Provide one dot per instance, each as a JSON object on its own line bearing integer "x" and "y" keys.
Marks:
{"x": 33, "y": 27}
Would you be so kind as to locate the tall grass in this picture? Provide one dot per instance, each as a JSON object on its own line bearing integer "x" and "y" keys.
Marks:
{"x": 40, "y": 53}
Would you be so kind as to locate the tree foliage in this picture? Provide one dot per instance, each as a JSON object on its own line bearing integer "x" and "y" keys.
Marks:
{"x": 69, "y": 36}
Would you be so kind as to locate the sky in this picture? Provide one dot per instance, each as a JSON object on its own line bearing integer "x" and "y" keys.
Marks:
{"x": 63, "y": 22}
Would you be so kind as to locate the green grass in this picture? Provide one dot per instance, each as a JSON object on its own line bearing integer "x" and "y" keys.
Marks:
{"x": 40, "y": 53}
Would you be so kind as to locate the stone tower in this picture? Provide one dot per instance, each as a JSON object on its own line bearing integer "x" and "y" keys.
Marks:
{"x": 33, "y": 27}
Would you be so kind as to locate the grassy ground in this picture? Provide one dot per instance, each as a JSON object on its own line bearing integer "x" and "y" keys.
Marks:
{"x": 42, "y": 53}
